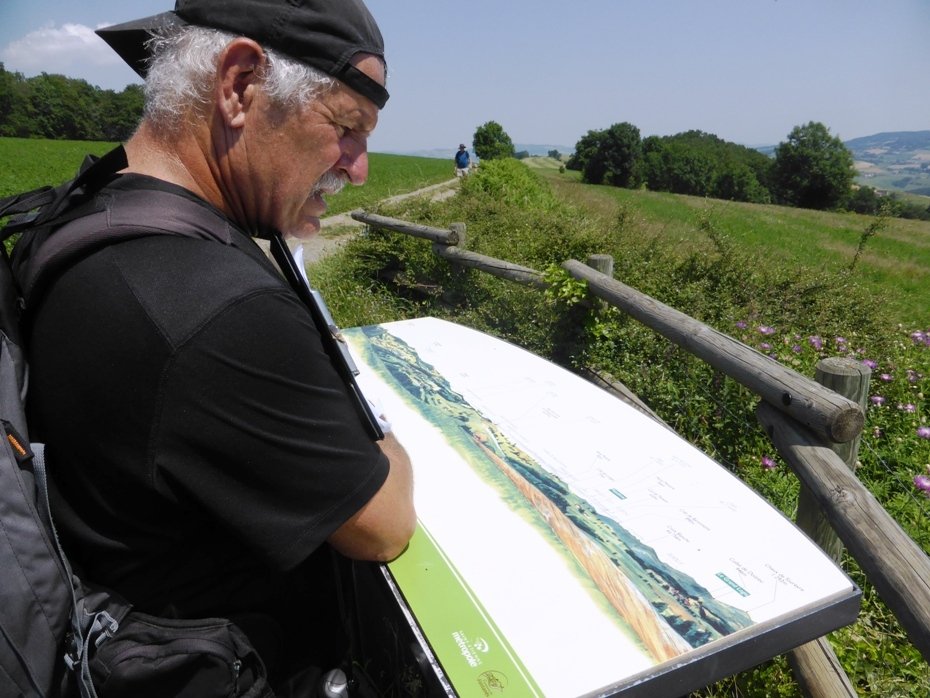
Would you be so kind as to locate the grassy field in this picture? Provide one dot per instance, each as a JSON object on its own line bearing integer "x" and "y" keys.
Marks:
{"x": 388, "y": 176}
{"x": 895, "y": 261}
{"x": 28, "y": 164}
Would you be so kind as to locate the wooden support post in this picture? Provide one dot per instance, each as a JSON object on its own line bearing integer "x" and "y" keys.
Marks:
{"x": 819, "y": 672}
{"x": 455, "y": 293}
{"x": 850, "y": 379}
{"x": 604, "y": 263}
{"x": 459, "y": 230}
{"x": 815, "y": 665}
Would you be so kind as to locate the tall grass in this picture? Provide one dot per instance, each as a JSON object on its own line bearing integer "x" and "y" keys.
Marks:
{"x": 27, "y": 164}
{"x": 894, "y": 265}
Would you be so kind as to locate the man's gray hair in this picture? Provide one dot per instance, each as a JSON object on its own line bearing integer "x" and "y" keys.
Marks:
{"x": 182, "y": 71}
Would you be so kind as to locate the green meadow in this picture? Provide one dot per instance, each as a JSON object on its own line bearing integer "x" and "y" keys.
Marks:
{"x": 30, "y": 163}
{"x": 894, "y": 263}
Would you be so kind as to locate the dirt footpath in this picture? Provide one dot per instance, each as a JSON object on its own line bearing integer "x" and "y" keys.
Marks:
{"x": 336, "y": 230}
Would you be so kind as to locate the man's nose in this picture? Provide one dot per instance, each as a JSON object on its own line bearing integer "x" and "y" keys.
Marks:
{"x": 354, "y": 159}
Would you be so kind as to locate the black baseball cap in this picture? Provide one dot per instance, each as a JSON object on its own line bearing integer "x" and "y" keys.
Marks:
{"x": 325, "y": 34}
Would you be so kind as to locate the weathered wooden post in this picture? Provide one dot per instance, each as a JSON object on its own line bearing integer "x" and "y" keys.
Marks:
{"x": 815, "y": 664}
{"x": 453, "y": 294}
{"x": 603, "y": 263}
{"x": 459, "y": 230}
{"x": 850, "y": 379}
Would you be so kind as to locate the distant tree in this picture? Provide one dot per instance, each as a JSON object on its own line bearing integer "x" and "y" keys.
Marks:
{"x": 615, "y": 159}
{"x": 585, "y": 148}
{"x": 522, "y": 154}
{"x": 55, "y": 106}
{"x": 864, "y": 200}
{"x": 738, "y": 182}
{"x": 491, "y": 142}
{"x": 688, "y": 169}
{"x": 120, "y": 112}
{"x": 555, "y": 154}
{"x": 702, "y": 164}
{"x": 812, "y": 169}
{"x": 15, "y": 105}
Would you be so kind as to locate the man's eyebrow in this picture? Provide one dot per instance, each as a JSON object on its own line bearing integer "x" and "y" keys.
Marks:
{"x": 360, "y": 119}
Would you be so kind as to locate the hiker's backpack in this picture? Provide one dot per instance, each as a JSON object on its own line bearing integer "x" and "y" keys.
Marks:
{"x": 49, "y": 619}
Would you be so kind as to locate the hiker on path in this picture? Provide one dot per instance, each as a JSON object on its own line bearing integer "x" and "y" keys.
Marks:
{"x": 462, "y": 161}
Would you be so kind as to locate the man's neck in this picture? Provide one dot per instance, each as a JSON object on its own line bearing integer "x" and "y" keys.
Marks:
{"x": 173, "y": 160}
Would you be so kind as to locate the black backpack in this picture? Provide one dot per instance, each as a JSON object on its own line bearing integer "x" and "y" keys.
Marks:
{"x": 49, "y": 619}
{"x": 56, "y": 630}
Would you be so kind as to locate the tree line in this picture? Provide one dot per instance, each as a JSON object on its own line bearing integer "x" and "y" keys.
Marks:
{"x": 58, "y": 107}
{"x": 810, "y": 169}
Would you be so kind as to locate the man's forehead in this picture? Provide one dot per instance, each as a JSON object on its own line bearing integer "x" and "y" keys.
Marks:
{"x": 373, "y": 67}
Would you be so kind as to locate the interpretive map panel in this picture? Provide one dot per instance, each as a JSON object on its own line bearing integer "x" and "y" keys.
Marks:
{"x": 570, "y": 545}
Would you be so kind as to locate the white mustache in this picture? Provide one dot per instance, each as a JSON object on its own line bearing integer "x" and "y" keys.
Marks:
{"x": 329, "y": 183}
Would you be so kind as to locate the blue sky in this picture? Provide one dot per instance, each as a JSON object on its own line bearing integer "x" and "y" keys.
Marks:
{"x": 548, "y": 71}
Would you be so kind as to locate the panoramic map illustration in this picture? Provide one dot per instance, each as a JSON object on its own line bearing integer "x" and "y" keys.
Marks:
{"x": 575, "y": 531}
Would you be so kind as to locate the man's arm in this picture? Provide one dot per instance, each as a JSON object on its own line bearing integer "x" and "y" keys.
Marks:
{"x": 381, "y": 529}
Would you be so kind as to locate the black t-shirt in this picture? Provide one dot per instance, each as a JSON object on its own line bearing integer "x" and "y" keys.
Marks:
{"x": 201, "y": 444}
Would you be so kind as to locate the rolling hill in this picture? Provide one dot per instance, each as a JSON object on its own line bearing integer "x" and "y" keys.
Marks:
{"x": 898, "y": 160}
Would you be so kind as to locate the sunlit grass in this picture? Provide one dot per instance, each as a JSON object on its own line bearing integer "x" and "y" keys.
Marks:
{"x": 896, "y": 261}
{"x": 27, "y": 164}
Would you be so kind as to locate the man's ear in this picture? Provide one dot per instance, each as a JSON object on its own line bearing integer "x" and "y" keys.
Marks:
{"x": 238, "y": 78}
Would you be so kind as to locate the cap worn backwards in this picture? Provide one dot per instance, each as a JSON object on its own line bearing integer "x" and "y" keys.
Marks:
{"x": 324, "y": 34}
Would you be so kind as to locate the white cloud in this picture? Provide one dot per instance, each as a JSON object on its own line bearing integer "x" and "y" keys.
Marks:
{"x": 70, "y": 49}
{"x": 56, "y": 49}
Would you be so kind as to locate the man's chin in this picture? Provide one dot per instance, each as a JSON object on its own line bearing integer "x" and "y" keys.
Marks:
{"x": 306, "y": 229}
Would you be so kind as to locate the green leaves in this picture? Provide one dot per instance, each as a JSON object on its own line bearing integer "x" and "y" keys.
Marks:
{"x": 492, "y": 142}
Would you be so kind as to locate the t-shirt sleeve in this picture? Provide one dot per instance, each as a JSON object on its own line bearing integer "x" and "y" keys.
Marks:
{"x": 258, "y": 430}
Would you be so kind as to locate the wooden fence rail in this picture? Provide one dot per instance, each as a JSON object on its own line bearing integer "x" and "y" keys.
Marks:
{"x": 835, "y": 417}
{"x": 807, "y": 422}
{"x": 893, "y": 562}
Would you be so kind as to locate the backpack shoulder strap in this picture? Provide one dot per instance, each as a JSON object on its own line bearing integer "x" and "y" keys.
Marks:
{"x": 39, "y": 206}
{"x": 109, "y": 218}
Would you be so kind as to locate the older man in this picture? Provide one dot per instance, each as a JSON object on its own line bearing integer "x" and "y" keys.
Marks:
{"x": 204, "y": 450}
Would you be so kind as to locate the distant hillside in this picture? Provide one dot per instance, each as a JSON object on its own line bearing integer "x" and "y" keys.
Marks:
{"x": 897, "y": 160}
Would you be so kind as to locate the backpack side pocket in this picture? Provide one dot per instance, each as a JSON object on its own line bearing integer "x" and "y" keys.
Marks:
{"x": 152, "y": 657}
